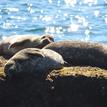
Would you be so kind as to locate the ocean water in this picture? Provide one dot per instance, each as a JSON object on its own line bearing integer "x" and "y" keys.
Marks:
{"x": 65, "y": 19}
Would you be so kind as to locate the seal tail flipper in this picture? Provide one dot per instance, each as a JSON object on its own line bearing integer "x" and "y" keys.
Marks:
{"x": 66, "y": 64}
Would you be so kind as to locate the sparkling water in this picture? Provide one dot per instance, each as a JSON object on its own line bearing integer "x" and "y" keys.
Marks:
{"x": 65, "y": 19}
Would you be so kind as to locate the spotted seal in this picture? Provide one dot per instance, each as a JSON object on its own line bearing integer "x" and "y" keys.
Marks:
{"x": 10, "y": 45}
{"x": 33, "y": 60}
{"x": 81, "y": 53}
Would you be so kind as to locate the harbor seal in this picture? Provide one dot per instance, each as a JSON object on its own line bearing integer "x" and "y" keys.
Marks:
{"x": 10, "y": 45}
{"x": 80, "y": 53}
{"x": 33, "y": 60}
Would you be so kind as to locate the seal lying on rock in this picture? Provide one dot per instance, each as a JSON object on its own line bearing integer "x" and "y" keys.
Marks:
{"x": 13, "y": 44}
{"x": 81, "y": 53}
{"x": 33, "y": 60}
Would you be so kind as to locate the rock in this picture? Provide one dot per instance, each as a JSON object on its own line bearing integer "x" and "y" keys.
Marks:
{"x": 67, "y": 87}
{"x": 81, "y": 53}
{"x": 33, "y": 60}
{"x": 78, "y": 87}
{"x": 10, "y": 45}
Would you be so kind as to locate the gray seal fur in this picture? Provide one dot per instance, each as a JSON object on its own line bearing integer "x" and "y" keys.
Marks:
{"x": 33, "y": 60}
{"x": 10, "y": 45}
{"x": 80, "y": 53}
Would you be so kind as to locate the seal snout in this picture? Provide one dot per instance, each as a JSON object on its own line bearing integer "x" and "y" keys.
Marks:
{"x": 48, "y": 37}
{"x": 9, "y": 69}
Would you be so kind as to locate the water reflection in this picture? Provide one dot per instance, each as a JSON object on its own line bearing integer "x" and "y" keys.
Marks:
{"x": 96, "y": 13}
{"x": 66, "y": 19}
{"x": 50, "y": 1}
{"x": 90, "y": 2}
{"x": 73, "y": 28}
{"x": 70, "y": 2}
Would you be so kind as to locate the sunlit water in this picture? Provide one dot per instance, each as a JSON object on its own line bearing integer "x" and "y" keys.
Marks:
{"x": 65, "y": 19}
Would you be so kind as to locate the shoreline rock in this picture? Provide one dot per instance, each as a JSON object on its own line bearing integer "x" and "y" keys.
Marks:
{"x": 69, "y": 87}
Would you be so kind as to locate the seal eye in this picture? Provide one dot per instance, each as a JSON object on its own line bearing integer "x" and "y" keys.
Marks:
{"x": 43, "y": 37}
{"x": 10, "y": 73}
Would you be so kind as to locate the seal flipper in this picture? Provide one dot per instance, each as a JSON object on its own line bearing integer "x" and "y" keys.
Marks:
{"x": 20, "y": 43}
{"x": 36, "y": 54}
{"x": 66, "y": 64}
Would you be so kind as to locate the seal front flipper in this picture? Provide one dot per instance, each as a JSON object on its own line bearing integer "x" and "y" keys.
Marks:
{"x": 36, "y": 53}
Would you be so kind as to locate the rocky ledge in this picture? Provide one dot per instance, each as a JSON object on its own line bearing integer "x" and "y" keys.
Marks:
{"x": 68, "y": 87}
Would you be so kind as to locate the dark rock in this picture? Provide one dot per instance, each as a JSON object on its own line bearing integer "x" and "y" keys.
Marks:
{"x": 69, "y": 87}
